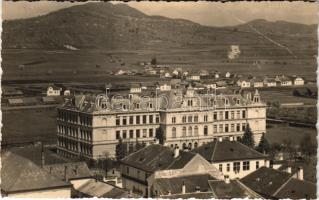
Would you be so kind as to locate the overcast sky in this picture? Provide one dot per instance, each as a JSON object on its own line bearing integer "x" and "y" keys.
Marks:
{"x": 206, "y": 13}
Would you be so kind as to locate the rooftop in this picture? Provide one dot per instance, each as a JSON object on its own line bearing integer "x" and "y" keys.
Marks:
{"x": 226, "y": 150}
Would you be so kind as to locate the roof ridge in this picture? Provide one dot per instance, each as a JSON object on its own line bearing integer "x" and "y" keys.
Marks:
{"x": 213, "y": 154}
{"x": 252, "y": 149}
{"x": 282, "y": 186}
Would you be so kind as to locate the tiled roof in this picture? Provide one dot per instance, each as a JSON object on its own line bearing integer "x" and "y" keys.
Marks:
{"x": 75, "y": 170}
{"x": 233, "y": 189}
{"x": 297, "y": 189}
{"x": 21, "y": 174}
{"x": 182, "y": 160}
{"x": 217, "y": 151}
{"x": 196, "y": 195}
{"x": 266, "y": 181}
{"x": 151, "y": 158}
{"x": 174, "y": 185}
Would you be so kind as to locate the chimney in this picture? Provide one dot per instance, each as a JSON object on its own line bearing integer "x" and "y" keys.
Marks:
{"x": 300, "y": 173}
{"x": 42, "y": 156}
{"x": 227, "y": 181}
{"x": 66, "y": 173}
{"x": 176, "y": 152}
{"x": 289, "y": 170}
{"x": 220, "y": 139}
{"x": 197, "y": 189}
{"x": 183, "y": 188}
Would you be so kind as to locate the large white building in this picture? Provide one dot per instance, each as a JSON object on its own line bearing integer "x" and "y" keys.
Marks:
{"x": 91, "y": 126}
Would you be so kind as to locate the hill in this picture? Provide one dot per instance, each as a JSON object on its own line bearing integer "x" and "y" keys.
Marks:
{"x": 106, "y": 26}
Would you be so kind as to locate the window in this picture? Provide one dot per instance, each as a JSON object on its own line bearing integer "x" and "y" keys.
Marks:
{"x": 131, "y": 134}
{"x": 257, "y": 164}
{"x": 157, "y": 118}
{"x": 243, "y": 127}
{"x": 205, "y": 118}
{"x": 246, "y": 165}
{"x": 228, "y": 167}
{"x": 137, "y": 119}
{"x": 184, "y": 131}
{"x": 144, "y": 119}
{"x": 118, "y": 135}
{"x": 196, "y": 118}
{"x": 150, "y": 132}
{"x": 221, "y": 167}
{"x": 190, "y": 131}
{"x": 144, "y": 132}
{"x": 226, "y": 114}
{"x": 190, "y": 118}
{"x": 221, "y": 128}
{"x": 215, "y": 128}
{"x": 196, "y": 130}
{"x": 220, "y": 115}
{"x": 173, "y": 120}
{"x": 244, "y": 114}
{"x": 131, "y": 120}
{"x": 151, "y": 105}
{"x": 150, "y": 119}
{"x": 124, "y": 134}
{"x": 205, "y": 130}
{"x": 124, "y": 120}
{"x": 184, "y": 119}
{"x": 215, "y": 115}
{"x": 237, "y": 127}
{"x": 236, "y": 167}
{"x": 226, "y": 102}
{"x": 173, "y": 132}
{"x": 137, "y": 133}
{"x": 238, "y": 114}
{"x": 232, "y": 115}
{"x": 232, "y": 127}
{"x": 117, "y": 121}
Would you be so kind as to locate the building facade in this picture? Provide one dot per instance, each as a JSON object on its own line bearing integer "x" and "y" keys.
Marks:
{"x": 87, "y": 126}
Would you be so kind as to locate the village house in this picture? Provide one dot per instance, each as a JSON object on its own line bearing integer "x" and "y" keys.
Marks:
{"x": 227, "y": 75}
{"x": 53, "y": 91}
{"x": 257, "y": 82}
{"x": 164, "y": 86}
{"x": 193, "y": 77}
{"x": 243, "y": 83}
{"x": 203, "y": 72}
{"x": 185, "y": 73}
{"x": 270, "y": 82}
{"x": 299, "y": 81}
{"x": 120, "y": 72}
{"x": 232, "y": 158}
{"x": 271, "y": 183}
{"x": 284, "y": 80}
{"x": 210, "y": 84}
{"x": 136, "y": 88}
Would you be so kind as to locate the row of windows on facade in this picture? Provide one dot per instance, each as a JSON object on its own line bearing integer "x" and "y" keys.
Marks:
{"x": 223, "y": 115}
{"x": 127, "y": 120}
{"x": 145, "y": 133}
{"x": 237, "y": 167}
{"x": 73, "y": 118}
{"x": 189, "y": 131}
{"x": 73, "y": 146}
{"x": 73, "y": 132}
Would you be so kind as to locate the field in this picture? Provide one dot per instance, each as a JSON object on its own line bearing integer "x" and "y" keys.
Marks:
{"x": 80, "y": 66}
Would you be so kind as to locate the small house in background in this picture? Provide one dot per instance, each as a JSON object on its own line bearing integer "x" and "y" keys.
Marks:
{"x": 270, "y": 82}
{"x": 164, "y": 86}
{"x": 257, "y": 82}
{"x": 210, "y": 84}
{"x": 299, "y": 81}
{"x": 185, "y": 73}
{"x": 193, "y": 77}
{"x": 120, "y": 72}
{"x": 284, "y": 80}
{"x": 136, "y": 88}
{"x": 67, "y": 92}
{"x": 203, "y": 72}
{"x": 227, "y": 75}
{"x": 243, "y": 83}
{"x": 54, "y": 91}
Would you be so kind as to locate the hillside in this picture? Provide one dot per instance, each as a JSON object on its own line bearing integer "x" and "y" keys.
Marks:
{"x": 107, "y": 26}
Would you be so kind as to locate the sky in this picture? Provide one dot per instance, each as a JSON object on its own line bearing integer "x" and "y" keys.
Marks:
{"x": 205, "y": 13}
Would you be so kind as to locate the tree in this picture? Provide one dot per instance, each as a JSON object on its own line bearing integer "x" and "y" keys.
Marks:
{"x": 263, "y": 146}
{"x": 307, "y": 146}
{"x": 120, "y": 150}
{"x": 154, "y": 61}
{"x": 159, "y": 135}
{"x": 248, "y": 138}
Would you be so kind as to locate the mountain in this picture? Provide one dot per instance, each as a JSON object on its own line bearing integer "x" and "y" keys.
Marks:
{"x": 108, "y": 26}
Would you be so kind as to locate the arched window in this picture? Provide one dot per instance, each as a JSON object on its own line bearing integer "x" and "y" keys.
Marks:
{"x": 189, "y": 146}
{"x": 195, "y": 145}
{"x": 184, "y": 131}
{"x": 205, "y": 130}
{"x": 184, "y": 146}
{"x": 190, "y": 131}
{"x": 174, "y": 132}
{"x": 184, "y": 119}
{"x": 196, "y": 130}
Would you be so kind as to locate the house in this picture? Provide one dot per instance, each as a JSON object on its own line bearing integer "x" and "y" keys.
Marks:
{"x": 67, "y": 92}
{"x": 120, "y": 72}
{"x": 167, "y": 75}
{"x": 164, "y": 87}
{"x": 283, "y": 80}
{"x": 216, "y": 75}
{"x": 193, "y": 77}
{"x": 185, "y": 73}
{"x": 257, "y": 82}
{"x": 203, "y": 72}
{"x": 136, "y": 88}
{"x": 232, "y": 158}
{"x": 54, "y": 91}
{"x": 243, "y": 83}
{"x": 175, "y": 72}
{"x": 210, "y": 84}
{"x": 270, "y": 82}
{"x": 143, "y": 170}
{"x": 271, "y": 183}
{"x": 234, "y": 52}
{"x": 227, "y": 75}
{"x": 299, "y": 81}
{"x": 21, "y": 178}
